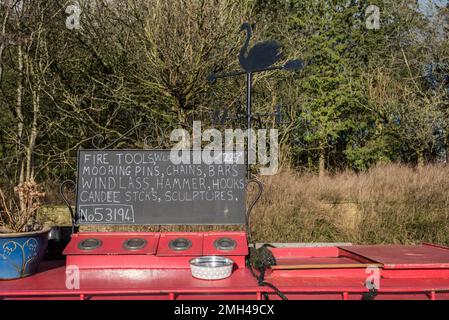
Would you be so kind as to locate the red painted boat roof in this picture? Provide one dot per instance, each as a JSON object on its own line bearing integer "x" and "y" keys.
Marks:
{"x": 51, "y": 282}
{"x": 404, "y": 256}
{"x": 426, "y": 275}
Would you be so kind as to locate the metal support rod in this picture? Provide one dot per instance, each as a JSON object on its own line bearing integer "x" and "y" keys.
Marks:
{"x": 249, "y": 88}
{"x": 214, "y": 76}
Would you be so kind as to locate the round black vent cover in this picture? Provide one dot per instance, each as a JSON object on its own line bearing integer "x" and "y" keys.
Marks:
{"x": 225, "y": 244}
{"x": 89, "y": 244}
{"x": 180, "y": 244}
{"x": 134, "y": 244}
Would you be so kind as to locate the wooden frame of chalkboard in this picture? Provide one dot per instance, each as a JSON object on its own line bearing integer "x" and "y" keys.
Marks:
{"x": 143, "y": 187}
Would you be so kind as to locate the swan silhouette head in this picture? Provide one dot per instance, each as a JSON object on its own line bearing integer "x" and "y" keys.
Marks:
{"x": 246, "y": 26}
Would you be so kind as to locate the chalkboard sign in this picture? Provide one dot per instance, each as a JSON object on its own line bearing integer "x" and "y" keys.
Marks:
{"x": 143, "y": 187}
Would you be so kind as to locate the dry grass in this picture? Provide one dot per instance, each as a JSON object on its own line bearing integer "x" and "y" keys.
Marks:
{"x": 19, "y": 212}
{"x": 388, "y": 204}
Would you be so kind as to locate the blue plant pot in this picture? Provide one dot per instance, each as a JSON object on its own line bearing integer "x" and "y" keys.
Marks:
{"x": 21, "y": 253}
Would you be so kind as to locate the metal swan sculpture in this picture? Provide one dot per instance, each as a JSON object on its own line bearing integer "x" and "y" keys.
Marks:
{"x": 262, "y": 55}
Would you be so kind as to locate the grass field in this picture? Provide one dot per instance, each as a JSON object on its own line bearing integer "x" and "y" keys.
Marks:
{"x": 387, "y": 204}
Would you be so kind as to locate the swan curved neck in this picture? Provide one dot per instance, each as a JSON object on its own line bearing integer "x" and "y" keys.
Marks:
{"x": 245, "y": 46}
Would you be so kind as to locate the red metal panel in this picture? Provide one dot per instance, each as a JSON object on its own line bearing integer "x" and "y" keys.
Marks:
{"x": 110, "y": 254}
{"x": 315, "y": 260}
{"x": 164, "y": 250}
{"x": 112, "y": 243}
{"x": 413, "y": 273}
{"x": 168, "y": 277}
{"x": 346, "y": 273}
{"x": 130, "y": 262}
{"x": 239, "y": 237}
{"x": 305, "y": 252}
{"x": 179, "y": 284}
{"x": 319, "y": 255}
{"x": 404, "y": 256}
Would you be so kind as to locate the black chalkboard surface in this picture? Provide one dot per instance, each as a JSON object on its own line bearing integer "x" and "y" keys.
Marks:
{"x": 144, "y": 187}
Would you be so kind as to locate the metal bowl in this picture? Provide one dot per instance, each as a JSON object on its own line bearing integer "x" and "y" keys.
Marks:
{"x": 211, "y": 267}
